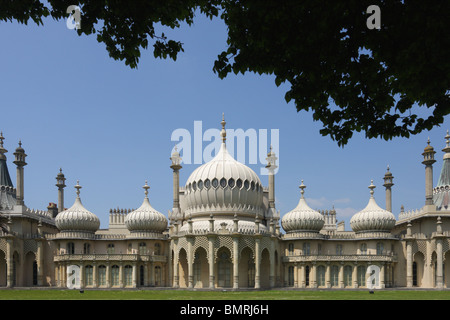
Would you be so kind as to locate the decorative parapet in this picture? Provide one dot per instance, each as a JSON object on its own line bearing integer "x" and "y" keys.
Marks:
{"x": 109, "y": 257}
{"x": 76, "y": 235}
{"x": 339, "y": 236}
{"x": 388, "y": 257}
{"x": 407, "y": 215}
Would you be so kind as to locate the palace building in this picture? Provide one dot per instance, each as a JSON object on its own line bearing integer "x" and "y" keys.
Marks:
{"x": 224, "y": 231}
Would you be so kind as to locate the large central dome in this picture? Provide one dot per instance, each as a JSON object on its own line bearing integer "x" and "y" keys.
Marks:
{"x": 224, "y": 186}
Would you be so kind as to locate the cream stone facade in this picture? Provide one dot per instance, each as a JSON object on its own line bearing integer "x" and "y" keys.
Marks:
{"x": 224, "y": 231}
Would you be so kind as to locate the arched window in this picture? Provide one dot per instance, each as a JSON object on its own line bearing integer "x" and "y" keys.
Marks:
{"x": 307, "y": 276}
{"x": 363, "y": 248}
{"x": 157, "y": 249}
{"x": 87, "y": 248}
{"x": 380, "y": 248}
{"x": 142, "y": 248}
{"x": 291, "y": 249}
{"x": 361, "y": 274}
{"x": 320, "y": 276}
{"x": 224, "y": 268}
{"x": 115, "y": 270}
{"x": 88, "y": 275}
{"x": 102, "y": 275}
{"x": 334, "y": 276}
{"x": 348, "y": 270}
{"x": 215, "y": 182}
{"x": 414, "y": 275}
{"x": 207, "y": 183}
{"x": 110, "y": 249}
{"x": 251, "y": 273}
{"x": 70, "y": 248}
{"x": 158, "y": 276}
{"x": 128, "y": 276}
{"x": 306, "y": 248}
{"x": 291, "y": 276}
{"x": 223, "y": 182}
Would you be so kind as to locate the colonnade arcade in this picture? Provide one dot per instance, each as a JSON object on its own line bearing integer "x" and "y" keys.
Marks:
{"x": 342, "y": 274}
{"x": 225, "y": 261}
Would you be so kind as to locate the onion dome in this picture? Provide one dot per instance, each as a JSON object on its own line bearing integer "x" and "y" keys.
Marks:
{"x": 77, "y": 217}
{"x": 302, "y": 218}
{"x": 372, "y": 218}
{"x": 145, "y": 218}
{"x": 224, "y": 186}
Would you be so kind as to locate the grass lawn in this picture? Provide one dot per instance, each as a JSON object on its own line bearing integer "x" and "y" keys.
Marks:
{"x": 56, "y": 294}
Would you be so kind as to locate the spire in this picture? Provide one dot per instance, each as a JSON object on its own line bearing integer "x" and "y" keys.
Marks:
{"x": 302, "y": 187}
{"x": 371, "y": 187}
{"x": 5, "y": 179}
{"x": 447, "y": 146}
{"x": 2, "y": 150}
{"x": 223, "y": 133}
{"x": 146, "y": 187}
{"x": 78, "y": 187}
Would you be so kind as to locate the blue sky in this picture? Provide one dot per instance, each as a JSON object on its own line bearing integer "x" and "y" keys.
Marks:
{"x": 110, "y": 126}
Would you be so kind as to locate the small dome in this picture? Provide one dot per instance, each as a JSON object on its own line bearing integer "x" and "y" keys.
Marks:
{"x": 77, "y": 217}
{"x": 145, "y": 218}
{"x": 302, "y": 218}
{"x": 372, "y": 218}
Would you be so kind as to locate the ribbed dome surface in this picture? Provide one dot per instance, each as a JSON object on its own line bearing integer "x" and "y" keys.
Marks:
{"x": 372, "y": 218}
{"x": 77, "y": 218}
{"x": 223, "y": 185}
{"x": 302, "y": 218}
{"x": 145, "y": 218}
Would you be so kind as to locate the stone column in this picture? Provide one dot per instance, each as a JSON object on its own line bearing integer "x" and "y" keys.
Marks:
{"x": 257, "y": 262}
{"x": 235, "y": 262}
{"x": 134, "y": 275}
{"x": 39, "y": 262}
{"x": 272, "y": 264}
{"x": 94, "y": 275}
{"x": 176, "y": 277}
{"x": 341, "y": 275}
{"x": 382, "y": 272}
{"x": 108, "y": 275}
{"x": 296, "y": 271}
{"x": 409, "y": 263}
{"x": 355, "y": 275}
{"x": 439, "y": 263}
{"x": 328, "y": 276}
{"x": 190, "y": 260}
{"x": 212, "y": 278}
{"x": 9, "y": 263}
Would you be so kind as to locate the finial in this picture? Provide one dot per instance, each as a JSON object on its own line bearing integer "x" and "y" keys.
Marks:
{"x": 371, "y": 187}
{"x": 2, "y": 138}
{"x": 146, "y": 187}
{"x": 302, "y": 187}
{"x": 78, "y": 187}
{"x": 388, "y": 168}
{"x": 20, "y": 143}
{"x": 223, "y": 132}
{"x": 447, "y": 138}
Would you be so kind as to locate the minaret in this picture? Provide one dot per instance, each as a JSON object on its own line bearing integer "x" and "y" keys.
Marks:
{"x": 60, "y": 183}
{"x": 176, "y": 166}
{"x": 5, "y": 179}
{"x": 20, "y": 163}
{"x": 388, "y": 185}
{"x": 428, "y": 160}
{"x": 271, "y": 166}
